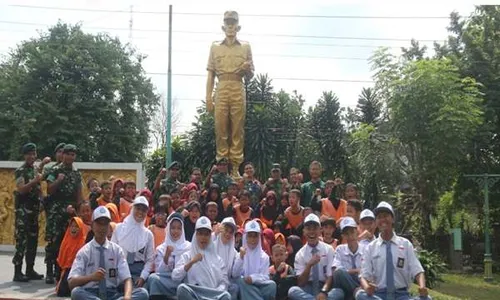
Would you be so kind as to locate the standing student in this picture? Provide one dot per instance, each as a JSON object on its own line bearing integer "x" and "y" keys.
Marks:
{"x": 94, "y": 191}
{"x": 333, "y": 206}
{"x": 106, "y": 195}
{"x": 253, "y": 263}
{"x": 203, "y": 272}
{"x": 128, "y": 198}
{"x": 309, "y": 188}
{"x": 161, "y": 284}
{"x": 243, "y": 211}
{"x": 136, "y": 241}
{"x": 293, "y": 214}
{"x": 368, "y": 227}
{"x": 100, "y": 267}
{"x": 73, "y": 240}
{"x": 389, "y": 263}
{"x": 269, "y": 212}
{"x": 347, "y": 261}
{"x": 313, "y": 265}
{"x": 224, "y": 245}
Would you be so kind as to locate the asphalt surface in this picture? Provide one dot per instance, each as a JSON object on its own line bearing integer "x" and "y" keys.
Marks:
{"x": 16, "y": 290}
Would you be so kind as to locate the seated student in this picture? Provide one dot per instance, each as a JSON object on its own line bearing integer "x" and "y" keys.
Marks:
{"x": 106, "y": 194}
{"x": 73, "y": 240}
{"x": 136, "y": 241}
{"x": 194, "y": 213}
{"x": 203, "y": 272}
{"x": 253, "y": 266}
{"x": 389, "y": 263}
{"x": 293, "y": 214}
{"x": 113, "y": 211}
{"x": 224, "y": 245}
{"x": 100, "y": 267}
{"x": 354, "y": 208}
{"x": 278, "y": 236}
{"x": 347, "y": 261}
{"x": 127, "y": 199}
{"x": 211, "y": 212}
{"x": 281, "y": 273}
{"x": 313, "y": 265}
{"x": 269, "y": 212}
{"x": 161, "y": 284}
{"x": 293, "y": 245}
{"x": 328, "y": 227}
{"x": 158, "y": 228}
{"x": 332, "y": 206}
{"x": 242, "y": 211}
{"x": 368, "y": 227}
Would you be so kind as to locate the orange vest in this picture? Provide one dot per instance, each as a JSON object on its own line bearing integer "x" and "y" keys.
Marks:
{"x": 294, "y": 220}
{"x": 329, "y": 210}
{"x": 241, "y": 217}
{"x": 158, "y": 234}
{"x": 125, "y": 207}
{"x": 226, "y": 202}
{"x": 101, "y": 202}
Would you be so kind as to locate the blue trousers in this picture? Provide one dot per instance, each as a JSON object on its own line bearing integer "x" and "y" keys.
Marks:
{"x": 345, "y": 283}
{"x": 135, "y": 270}
{"x": 233, "y": 289}
{"x": 401, "y": 294}
{"x": 195, "y": 292}
{"x": 261, "y": 291}
{"x": 80, "y": 293}
{"x": 306, "y": 293}
{"x": 159, "y": 284}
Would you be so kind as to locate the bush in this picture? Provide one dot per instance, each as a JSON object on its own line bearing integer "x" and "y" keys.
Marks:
{"x": 433, "y": 266}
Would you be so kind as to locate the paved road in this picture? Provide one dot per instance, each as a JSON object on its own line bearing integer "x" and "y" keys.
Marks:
{"x": 16, "y": 290}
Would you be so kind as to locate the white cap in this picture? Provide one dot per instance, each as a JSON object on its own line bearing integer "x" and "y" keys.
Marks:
{"x": 384, "y": 206}
{"x": 101, "y": 212}
{"x": 141, "y": 200}
{"x": 312, "y": 218}
{"x": 229, "y": 221}
{"x": 366, "y": 213}
{"x": 347, "y": 222}
{"x": 203, "y": 222}
{"x": 252, "y": 226}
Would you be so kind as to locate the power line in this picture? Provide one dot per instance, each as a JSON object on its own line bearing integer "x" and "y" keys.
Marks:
{"x": 244, "y": 15}
{"x": 249, "y": 34}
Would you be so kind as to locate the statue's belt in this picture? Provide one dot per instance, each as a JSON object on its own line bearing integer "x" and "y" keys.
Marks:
{"x": 229, "y": 77}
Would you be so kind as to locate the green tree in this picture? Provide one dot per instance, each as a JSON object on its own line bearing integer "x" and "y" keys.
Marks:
{"x": 74, "y": 87}
{"x": 433, "y": 114}
{"x": 325, "y": 127}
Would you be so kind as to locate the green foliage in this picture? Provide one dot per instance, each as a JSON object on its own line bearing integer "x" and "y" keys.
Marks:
{"x": 433, "y": 266}
{"x": 69, "y": 86}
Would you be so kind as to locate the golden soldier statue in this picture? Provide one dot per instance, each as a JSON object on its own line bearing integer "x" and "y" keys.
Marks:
{"x": 229, "y": 61}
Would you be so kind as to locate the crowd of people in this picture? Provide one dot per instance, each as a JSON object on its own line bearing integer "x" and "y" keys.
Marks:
{"x": 218, "y": 238}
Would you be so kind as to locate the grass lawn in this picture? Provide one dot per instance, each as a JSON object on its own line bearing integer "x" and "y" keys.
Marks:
{"x": 466, "y": 287}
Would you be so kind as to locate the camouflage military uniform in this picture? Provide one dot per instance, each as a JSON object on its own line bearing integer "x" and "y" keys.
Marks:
{"x": 27, "y": 209}
{"x": 57, "y": 217}
{"x": 222, "y": 180}
{"x": 168, "y": 185}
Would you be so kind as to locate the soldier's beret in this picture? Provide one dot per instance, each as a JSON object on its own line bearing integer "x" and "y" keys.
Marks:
{"x": 174, "y": 165}
{"x": 59, "y": 146}
{"x": 69, "y": 148}
{"x": 222, "y": 161}
{"x": 28, "y": 148}
{"x": 231, "y": 14}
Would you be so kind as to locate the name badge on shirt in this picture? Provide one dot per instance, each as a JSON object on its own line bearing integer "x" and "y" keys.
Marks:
{"x": 401, "y": 262}
{"x": 112, "y": 273}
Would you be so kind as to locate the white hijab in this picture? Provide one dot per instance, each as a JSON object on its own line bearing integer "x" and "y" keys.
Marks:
{"x": 131, "y": 235}
{"x": 251, "y": 261}
{"x": 181, "y": 245}
{"x": 207, "y": 271}
{"x": 226, "y": 251}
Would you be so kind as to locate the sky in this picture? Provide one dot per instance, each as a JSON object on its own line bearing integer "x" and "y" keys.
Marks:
{"x": 303, "y": 52}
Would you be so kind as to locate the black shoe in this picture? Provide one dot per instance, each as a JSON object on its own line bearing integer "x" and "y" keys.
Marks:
{"x": 32, "y": 274}
{"x": 18, "y": 274}
{"x": 49, "y": 278}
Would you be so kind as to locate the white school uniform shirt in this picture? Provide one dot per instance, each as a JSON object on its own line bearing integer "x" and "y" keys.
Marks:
{"x": 364, "y": 243}
{"x": 406, "y": 263}
{"x": 87, "y": 262}
{"x": 304, "y": 255}
{"x": 343, "y": 257}
{"x": 180, "y": 246}
{"x": 145, "y": 254}
{"x": 262, "y": 274}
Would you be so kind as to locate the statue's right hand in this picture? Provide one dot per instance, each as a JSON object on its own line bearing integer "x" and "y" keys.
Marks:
{"x": 210, "y": 104}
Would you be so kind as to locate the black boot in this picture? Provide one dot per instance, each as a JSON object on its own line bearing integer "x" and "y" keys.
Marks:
{"x": 18, "y": 274}
{"x": 32, "y": 274}
{"x": 57, "y": 272}
{"x": 49, "y": 278}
